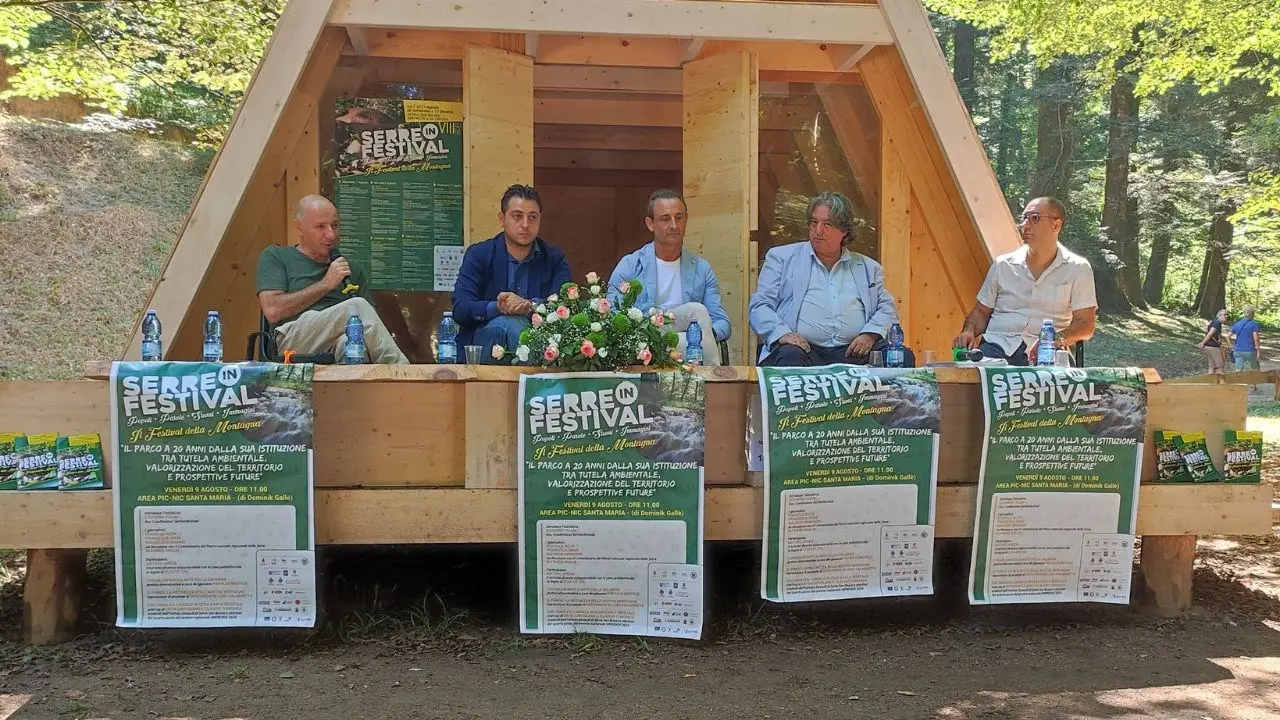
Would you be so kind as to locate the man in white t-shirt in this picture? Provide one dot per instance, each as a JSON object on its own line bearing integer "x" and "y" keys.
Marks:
{"x": 1038, "y": 281}
{"x": 673, "y": 279}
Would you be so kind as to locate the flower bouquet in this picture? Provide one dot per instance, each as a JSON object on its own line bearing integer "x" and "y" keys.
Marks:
{"x": 579, "y": 328}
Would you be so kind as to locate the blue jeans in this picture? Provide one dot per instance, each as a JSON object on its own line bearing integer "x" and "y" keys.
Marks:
{"x": 1017, "y": 357}
{"x": 503, "y": 330}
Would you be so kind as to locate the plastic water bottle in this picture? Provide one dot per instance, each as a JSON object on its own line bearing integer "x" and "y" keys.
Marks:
{"x": 896, "y": 356}
{"x": 1046, "y": 346}
{"x": 447, "y": 341}
{"x": 693, "y": 344}
{"x": 152, "y": 344}
{"x": 353, "y": 351}
{"x": 213, "y": 337}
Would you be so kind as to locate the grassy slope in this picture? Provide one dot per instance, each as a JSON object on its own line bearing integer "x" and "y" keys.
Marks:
{"x": 86, "y": 222}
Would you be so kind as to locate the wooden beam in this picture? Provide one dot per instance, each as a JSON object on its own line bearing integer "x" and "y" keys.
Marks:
{"x": 359, "y": 41}
{"x": 895, "y": 226}
{"x": 858, "y": 139}
{"x": 632, "y": 159}
{"x": 691, "y": 19}
{"x": 606, "y": 137}
{"x": 720, "y": 136}
{"x": 846, "y": 57}
{"x": 648, "y": 179}
{"x": 299, "y": 48}
{"x": 777, "y": 57}
{"x": 531, "y": 45}
{"x": 497, "y": 99}
{"x": 595, "y": 111}
{"x": 52, "y": 595}
{"x": 691, "y": 50}
{"x": 302, "y": 177}
{"x": 665, "y": 81}
{"x": 368, "y": 516}
{"x": 940, "y": 99}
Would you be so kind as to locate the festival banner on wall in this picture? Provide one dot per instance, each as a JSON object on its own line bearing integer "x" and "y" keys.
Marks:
{"x": 611, "y": 503}
{"x": 1058, "y": 494}
{"x": 212, "y": 492}
{"x": 398, "y": 187}
{"x": 850, "y": 472}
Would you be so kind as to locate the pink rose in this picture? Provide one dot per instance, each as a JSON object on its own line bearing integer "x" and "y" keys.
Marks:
{"x": 562, "y": 312}
{"x": 592, "y": 278}
{"x": 550, "y": 354}
{"x": 645, "y": 356}
{"x": 657, "y": 320}
{"x": 535, "y": 320}
{"x": 588, "y": 348}
{"x": 625, "y": 287}
{"x": 572, "y": 292}
{"x": 604, "y": 306}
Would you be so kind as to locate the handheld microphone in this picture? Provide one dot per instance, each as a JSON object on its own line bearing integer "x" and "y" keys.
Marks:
{"x": 347, "y": 286}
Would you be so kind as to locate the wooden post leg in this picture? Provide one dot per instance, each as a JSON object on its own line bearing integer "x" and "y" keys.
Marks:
{"x": 52, "y": 597}
{"x": 1166, "y": 571}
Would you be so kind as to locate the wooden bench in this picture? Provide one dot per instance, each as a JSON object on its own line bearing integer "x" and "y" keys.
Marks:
{"x": 391, "y": 469}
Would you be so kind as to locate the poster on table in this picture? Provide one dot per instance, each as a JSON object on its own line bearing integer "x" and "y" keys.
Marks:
{"x": 850, "y": 473}
{"x": 398, "y": 188}
{"x": 611, "y": 503}
{"x": 214, "y": 521}
{"x": 1058, "y": 491}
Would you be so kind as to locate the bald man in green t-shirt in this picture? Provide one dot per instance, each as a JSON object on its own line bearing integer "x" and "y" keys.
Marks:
{"x": 306, "y": 297}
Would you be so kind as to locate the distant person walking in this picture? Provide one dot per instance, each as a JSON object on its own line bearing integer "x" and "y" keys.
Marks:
{"x": 1214, "y": 351}
{"x": 1247, "y": 342}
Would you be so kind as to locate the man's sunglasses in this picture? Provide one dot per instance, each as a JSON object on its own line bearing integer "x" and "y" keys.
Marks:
{"x": 1034, "y": 218}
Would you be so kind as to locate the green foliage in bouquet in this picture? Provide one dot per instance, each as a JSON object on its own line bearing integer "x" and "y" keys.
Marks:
{"x": 580, "y": 328}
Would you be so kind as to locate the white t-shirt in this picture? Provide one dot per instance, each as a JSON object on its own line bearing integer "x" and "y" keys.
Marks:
{"x": 670, "y": 292}
{"x": 1022, "y": 302}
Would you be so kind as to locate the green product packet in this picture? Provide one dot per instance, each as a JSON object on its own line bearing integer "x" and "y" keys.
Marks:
{"x": 10, "y": 444}
{"x": 38, "y": 463}
{"x": 1242, "y": 456}
{"x": 1170, "y": 467}
{"x": 80, "y": 462}
{"x": 1196, "y": 454}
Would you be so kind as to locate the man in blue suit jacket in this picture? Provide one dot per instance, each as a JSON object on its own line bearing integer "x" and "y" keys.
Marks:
{"x": 819, "y": 303}
{"x": 673, "y": 279}
{"x": 504, "y": 277}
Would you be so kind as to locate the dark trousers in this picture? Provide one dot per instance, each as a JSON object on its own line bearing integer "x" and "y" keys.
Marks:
{"x": 795, "y": 356}
{"x": 1018, "y": 357}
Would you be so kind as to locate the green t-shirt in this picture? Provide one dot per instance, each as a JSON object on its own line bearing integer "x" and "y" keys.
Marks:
{"x": 287, "y": 269}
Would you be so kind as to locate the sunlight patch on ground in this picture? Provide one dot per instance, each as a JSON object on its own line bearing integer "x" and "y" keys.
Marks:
{"x": 10, "y": 704}
{"x": 1249, "y": 690}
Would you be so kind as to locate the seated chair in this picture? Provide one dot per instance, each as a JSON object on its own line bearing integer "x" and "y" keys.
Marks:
{"x": 261, "y": 346}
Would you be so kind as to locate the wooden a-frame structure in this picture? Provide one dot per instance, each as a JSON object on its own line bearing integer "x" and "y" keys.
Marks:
{"x": 556, "y": 88}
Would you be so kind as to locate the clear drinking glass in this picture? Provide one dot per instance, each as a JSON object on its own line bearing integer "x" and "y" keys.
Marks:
{"x": 473, "y": 354}
{"x": 876, "y": 358}
{"x": 928, "y": 357}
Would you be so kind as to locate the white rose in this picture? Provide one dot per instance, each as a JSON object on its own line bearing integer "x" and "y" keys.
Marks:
{"x": 522, "y": 353}
{"x": 596, "y": 327}
{"x": 594, "y": 304}
{"x": 604, "y": 352}
{"x": 595, "y": 289}
{"x": 541, "y": 309}
{"x": 556, "y": 338}
{"x": 592, "y": 279}
{"x": 643, "y": 346}
{"x": 553, "y": 298}
{"x": 552, "y": 317}
{"x": 635, "y": 314}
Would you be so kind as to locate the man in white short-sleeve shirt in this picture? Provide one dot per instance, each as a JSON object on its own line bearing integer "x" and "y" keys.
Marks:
{"x": 1038, "y": 281}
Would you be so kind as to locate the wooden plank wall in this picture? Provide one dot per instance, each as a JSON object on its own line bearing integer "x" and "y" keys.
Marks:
{"x": 497, "y": 99}
{"x": 719, "y": 139}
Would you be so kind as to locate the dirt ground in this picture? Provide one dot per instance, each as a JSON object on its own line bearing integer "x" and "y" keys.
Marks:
{"x": 402, "y": 651}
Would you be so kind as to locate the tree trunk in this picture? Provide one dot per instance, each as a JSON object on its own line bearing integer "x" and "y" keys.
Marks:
{"x": 1117, "y": 245}
{"x": 1157, "y": 266}
{"x": 1213, "y": 288}
{"x": 1055, "y": 137}
{"x": 963, "y": 40}
{"x": 1009, "y": 136}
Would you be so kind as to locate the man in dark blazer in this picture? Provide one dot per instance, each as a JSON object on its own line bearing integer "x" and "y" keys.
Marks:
{"x": 503, "y": 278}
